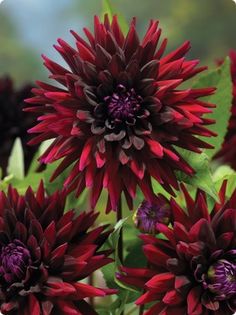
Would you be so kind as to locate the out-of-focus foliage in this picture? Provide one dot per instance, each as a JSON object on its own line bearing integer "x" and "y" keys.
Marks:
{"x": 208, "y": 24}
{"x": 15, "y": 57}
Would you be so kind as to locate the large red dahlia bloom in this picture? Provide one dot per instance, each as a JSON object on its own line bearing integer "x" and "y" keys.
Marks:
{"x": 45, "y": 255}
{"x": 119, "y": 112}
{"x": 193, "y": 271}
{"x": 13, "y": 123}
{"x": 228, "y": 152}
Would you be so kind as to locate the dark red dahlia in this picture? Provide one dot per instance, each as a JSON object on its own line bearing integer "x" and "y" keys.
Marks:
{"x": 45, "y": 255}
{"x": 228, "y": 151}
{"x": 119, "y": 114}
{"x": 149, "y": 214}
{"x": 193, "y": 271}
{"x": 13, "y": 122}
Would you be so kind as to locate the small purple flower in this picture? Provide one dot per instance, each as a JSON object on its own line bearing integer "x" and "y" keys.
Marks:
{"x": 148, "y": 215}
{"x": 14, "y": 260}
{"x": 222, "y": 276}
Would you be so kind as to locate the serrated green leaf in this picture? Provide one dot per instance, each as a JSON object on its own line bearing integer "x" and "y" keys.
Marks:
{"x": 109, "y": 9}
{"x": 16, "y": 160}
{"x": 202, "y": 177}
{"x": 221, "y": 79}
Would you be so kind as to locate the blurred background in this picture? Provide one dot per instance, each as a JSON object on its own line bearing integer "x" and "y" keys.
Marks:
{"x": 29, "y": 28}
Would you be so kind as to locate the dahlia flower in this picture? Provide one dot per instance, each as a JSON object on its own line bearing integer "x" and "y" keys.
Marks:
{"x": 119, "y": 112}
{"x": 45, "y": 255}
{"x": 149, "y": 214}
{"x": 228, "y": 151}
{"x": 13, "y": 123}
{"x": 193, "y": 271}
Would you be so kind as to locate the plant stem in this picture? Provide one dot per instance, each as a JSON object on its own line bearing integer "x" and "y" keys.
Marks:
{"x": 141, "y": 309}
{"x": 91, "y": 282}
{"x": 120, "y": 243}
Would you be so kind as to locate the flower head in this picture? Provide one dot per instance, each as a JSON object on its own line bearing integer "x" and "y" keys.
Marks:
{"x": 120, "y": 112}
{"x": 13, "y": 122}
{"x": 45, "y": 255}
{"x": 193, "y": 271}
{"x": 228, "y": 151}
{"x": 149, "y": 214}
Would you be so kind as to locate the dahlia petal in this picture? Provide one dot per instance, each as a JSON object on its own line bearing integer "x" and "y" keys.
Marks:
{"x": 58, "y": 253}
{"x": 47, "y": 307}
{"x": 84, "y": 290}
{"x": 131, "y": 42}
{"x": 156, "y": 309}
{"x": 202, "y": 231}
{"x": 182, "y": 283}
{"x": 155, "y": 148}
{"x": 137, "y": 168}
{"x": 193, "y": 299}
{"x": 147, "y": 297}
{"x": 178, "y": 53}
{"x": 68, "y": 308}
{"x": 54, "y": 289}
{"x": 154, "y": 255}
{"x": 161, "y": 283}
{"x": 50, "y": 233}
{"x": 180, "y": 232}
{"x": 167, "y": 232}
{"x": 209, "y": 303}
{"x": 84, "y": 159}
{"x": 33, "y": 307}
{"x": 172, "y": 298}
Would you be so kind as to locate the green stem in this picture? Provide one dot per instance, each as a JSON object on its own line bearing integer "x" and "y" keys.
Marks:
{"x": 141, "y": 309}
{"x": 120, "y": 243}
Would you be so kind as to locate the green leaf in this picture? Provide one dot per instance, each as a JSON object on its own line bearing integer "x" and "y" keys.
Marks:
{"x": 221, "y": 79}
{"x": 109, "y": 9}
{"x": 202, "y": 177}
{"x": 16, "y": 160}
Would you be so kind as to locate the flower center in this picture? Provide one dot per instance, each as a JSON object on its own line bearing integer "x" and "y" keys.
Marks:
{"x": 148, "y": 215}
{"x": 222, "y": 276}
{"x": 123, "y": 104}
{"x": 14, "y": 260}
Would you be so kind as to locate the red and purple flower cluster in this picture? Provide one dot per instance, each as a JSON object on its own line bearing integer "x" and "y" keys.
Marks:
{"x": 46, "y": 254}
{"x": 193, "y": 270}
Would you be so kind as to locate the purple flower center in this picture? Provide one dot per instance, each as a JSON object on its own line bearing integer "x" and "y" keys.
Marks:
{"x": 123, "y": 104}
{"x": 222, "y": 276}
{"x": 148, "y": 215}
{"x": 14, "y": 260}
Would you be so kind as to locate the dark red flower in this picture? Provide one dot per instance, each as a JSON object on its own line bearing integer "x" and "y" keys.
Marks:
{"x": 13, "y": 122}
{"x": 193, "y": 271}
{"x": 45, "y": 255}
{"x": 149, "y": 214}
{"x": 119, "y": 114}
{"x": 228, "y": 151}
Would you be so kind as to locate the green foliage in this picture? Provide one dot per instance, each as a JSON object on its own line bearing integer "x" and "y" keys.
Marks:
{"x": 202, "y": 177}
{"x": 126, "y": 294}
{"x": 16, "y": 161}
{"x": 221, "y": 79}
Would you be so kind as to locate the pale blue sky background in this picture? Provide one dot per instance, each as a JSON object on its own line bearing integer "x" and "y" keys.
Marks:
{"x": 41, "y": 22}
